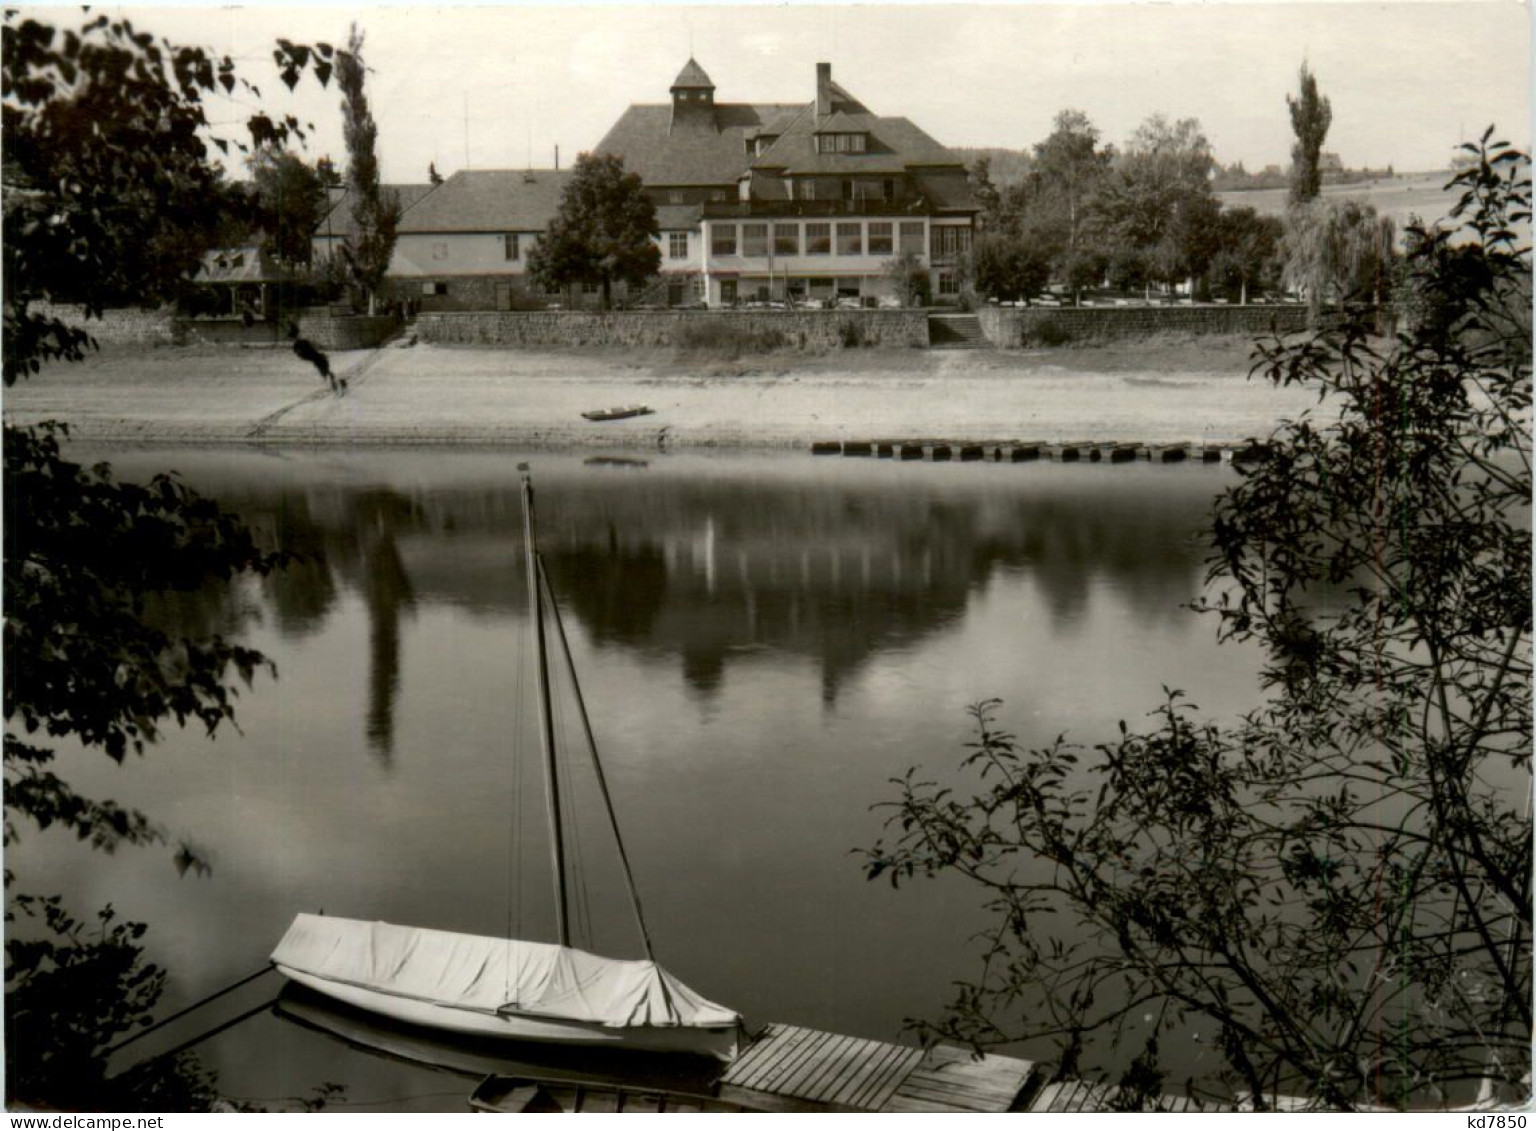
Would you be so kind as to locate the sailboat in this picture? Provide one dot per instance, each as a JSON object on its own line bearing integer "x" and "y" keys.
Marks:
{"x": 513, "y": 988}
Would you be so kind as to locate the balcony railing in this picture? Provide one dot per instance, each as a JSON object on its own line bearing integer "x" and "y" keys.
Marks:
{"x": 755, "y": 209}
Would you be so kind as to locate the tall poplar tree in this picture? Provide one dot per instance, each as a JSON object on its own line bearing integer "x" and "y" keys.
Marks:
{"x": 1311, "y": 115}
{"x": 375, "y": 213}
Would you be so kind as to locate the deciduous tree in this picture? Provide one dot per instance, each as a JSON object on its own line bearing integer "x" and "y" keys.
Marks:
{"x": 604, "y": 233}
{"x": 375, "y": 211}
{"x": 1311, "y": 115}
{"x": 1333, "y": 894}
{"x": 105, "y": 151}
{"x": 1338, "y": 252}
{"x": 290, "y": 200}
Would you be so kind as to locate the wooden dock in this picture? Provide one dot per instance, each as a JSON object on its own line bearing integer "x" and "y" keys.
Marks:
{"x": 787, "y": 1068}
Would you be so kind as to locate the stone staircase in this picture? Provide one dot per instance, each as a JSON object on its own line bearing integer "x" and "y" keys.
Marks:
{"x": 956, "y": 332}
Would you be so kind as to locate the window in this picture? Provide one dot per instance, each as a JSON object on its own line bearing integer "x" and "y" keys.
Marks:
{"x": 754, "y": 238}
{"x": 950, "y": 242}
{"x": 888, "y": 187}
{"x": 591, "y": 288}
{"x": 765, "y": 143}
{"x": 880, "y": 242}
{"x": 818, "y": 239}
{"x": 722, "y": 239}
{"x": 718, "y": 196}
{"x": 677, "y": 245}
{"x": 728, "y": 291}
{"x": 807, "y": 190}
{"x": 849, "y": 239}
{"x": 509, "y": 245}
{"x": 677, "y": 196}
{"x": 840, "y": 143}
{"x": 912, "y": 236}
{"x": 949, "y": 284}
{"x": 786, "y": 239}
{"x": 847, "y": 190}
{"x": 439, "y": 251}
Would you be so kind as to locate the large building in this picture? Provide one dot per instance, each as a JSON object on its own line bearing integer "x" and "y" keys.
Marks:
{"x": 804, "y": 202}
{"x": 809, "y": 201}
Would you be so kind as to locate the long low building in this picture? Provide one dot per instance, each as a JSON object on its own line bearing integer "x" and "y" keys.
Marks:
{"x": 807, "y": 203}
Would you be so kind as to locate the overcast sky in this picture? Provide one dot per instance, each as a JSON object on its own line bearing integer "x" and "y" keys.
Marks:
{"x": 501, "y": 85}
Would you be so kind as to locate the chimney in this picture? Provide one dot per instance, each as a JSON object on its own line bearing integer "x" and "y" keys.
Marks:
{"x": 823, "y": 90}
{"x": 557, "y": 158}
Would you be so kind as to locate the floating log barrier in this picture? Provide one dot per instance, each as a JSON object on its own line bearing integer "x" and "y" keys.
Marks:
{"x": 1021, "y": 451}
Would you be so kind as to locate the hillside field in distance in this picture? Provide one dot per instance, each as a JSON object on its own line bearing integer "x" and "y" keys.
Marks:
{"x": 1401, "y": 197}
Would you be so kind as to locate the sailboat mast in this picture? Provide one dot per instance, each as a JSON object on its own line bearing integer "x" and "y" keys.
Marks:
{"x": 597, "y": 765}
{"x": 546, "y": 717}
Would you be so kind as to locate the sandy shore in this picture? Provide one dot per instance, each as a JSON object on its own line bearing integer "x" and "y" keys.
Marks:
{"x": 1195, "y": 391}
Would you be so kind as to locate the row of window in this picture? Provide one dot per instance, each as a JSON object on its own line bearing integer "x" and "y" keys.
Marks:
{"x": 840, "y": 143}
{"x": 947, "y": 241}
{"x": 804, "y": 188}
{"x": 885, "y": 238}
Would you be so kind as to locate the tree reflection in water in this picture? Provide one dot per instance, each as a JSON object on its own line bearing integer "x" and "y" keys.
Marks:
{"x": 709, "y": 571}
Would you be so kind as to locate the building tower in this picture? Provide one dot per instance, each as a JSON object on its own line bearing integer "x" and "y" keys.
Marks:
{"x": 693, "y": 99}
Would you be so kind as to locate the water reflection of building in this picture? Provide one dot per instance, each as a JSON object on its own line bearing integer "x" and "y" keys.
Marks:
{"x": 713, "y": 572}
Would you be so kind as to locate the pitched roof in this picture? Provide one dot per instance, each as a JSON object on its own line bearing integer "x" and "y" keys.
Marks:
{"x": 489, "y": 200}
{"x": 692, "y": 77}
{"x": 893, "y": 145}
{"x": 643, "y": 136}
{"x": 665, "y": 152}
{"x": 248, "y": 264}
{"x": 337, "y": 220}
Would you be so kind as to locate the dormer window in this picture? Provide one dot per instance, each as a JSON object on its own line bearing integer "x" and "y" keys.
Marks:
{"x": 841, "y": 143}
{"x": 763, "y": 143}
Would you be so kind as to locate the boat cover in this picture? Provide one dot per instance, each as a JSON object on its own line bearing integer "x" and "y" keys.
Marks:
{"x": 494, "y": 975}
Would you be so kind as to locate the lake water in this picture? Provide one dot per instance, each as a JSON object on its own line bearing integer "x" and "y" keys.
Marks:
{"x": 763, "y": 642}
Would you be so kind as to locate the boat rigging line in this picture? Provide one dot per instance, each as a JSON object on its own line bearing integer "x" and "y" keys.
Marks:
{"x": 597, "y": 769}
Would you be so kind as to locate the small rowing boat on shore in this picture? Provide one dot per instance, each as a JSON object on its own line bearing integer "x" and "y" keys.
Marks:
{"x": 621, "y": 412}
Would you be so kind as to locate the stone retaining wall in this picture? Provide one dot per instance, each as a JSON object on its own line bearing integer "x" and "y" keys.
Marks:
{"x": 350, "y": 332}
{"x": 1014, "y": 327}
{"x": 228, "y": 332}
{"x": 704, "y": 329}
{"x": 116, "y": 327}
